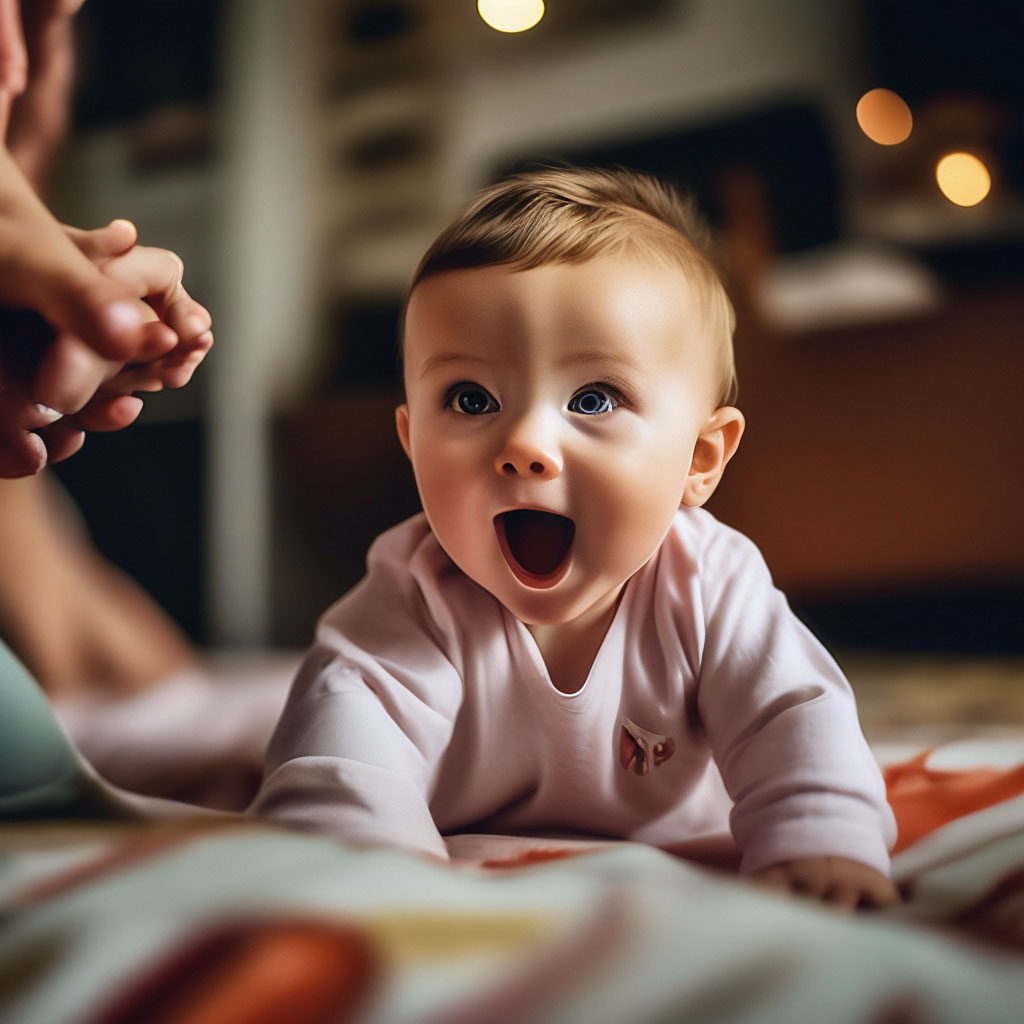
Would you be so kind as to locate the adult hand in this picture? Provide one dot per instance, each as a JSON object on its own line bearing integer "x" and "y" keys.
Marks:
{"x": 155, "y": 276}
{"x": 43, "y": 270}
{"x": 44, "y": 375}
{"x": 96, "y": 341}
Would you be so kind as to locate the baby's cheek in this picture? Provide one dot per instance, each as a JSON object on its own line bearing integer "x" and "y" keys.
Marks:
{"x": 448, "y": 501}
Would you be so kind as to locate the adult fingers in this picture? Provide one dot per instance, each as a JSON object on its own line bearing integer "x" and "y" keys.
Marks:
{"x": 107, "y": 412}
{"x": 177, "y": 367}
{"x": 157, "y": 365}
{"x": 189, "y": 319}
{"x": 21, "y": 454}
{"x": 114, "y": 239}
{"x": 173, "y": 370}
{"x": 42, "y": 269}
{"x": 109, "y": 320}
{"x": 156, "y": 274}
{"x": 102, "y": 413}
{"x": 61, "y": 440}
{"x": 136, "y": 377}
{"x": 180, "y": 374}
{"x": 72, "y": 295}
{"x": 148, "y": 272}
{"x": 158, "y": 341}
{"x": 69, "y": 374}
{"x": 64, "y": 8}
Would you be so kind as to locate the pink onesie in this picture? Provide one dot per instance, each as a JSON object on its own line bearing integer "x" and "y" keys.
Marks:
{"x": 711, "y": 720}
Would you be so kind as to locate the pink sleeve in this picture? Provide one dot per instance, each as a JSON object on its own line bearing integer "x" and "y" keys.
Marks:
{"x": 782, "y": 723}
{"x": 369, "y": 717}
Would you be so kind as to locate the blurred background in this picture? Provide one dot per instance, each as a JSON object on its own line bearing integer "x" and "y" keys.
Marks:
{"x": 300, "y": 155}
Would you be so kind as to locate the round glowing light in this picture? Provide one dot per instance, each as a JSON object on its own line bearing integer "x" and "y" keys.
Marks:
{"x": 884, "y": 117}
{"x": 511, "y": 15}
{"x": 963, "y": 178}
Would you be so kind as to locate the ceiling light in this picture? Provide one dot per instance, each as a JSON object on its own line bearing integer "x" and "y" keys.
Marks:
{"x": 511, "y": 15}
{"x": 884, "y": 117}
{"x": 963, "y": 178}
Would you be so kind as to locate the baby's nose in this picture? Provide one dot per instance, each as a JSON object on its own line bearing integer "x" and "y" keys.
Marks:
{"x": 528, "y": 453}
{"x": 544, "y": 468}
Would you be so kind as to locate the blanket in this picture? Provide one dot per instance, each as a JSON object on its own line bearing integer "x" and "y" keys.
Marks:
{"x": 223, "y": 921}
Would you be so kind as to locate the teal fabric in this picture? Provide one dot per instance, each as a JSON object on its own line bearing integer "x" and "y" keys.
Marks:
{"x": 39, "y": 769}
{"x": 43, "y": 777}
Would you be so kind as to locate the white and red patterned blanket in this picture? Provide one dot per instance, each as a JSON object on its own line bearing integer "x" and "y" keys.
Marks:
{"x": 230, "y": 923}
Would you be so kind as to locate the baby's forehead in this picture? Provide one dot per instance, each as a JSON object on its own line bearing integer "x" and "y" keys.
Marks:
{"x": 559, "y": 281}
{"x": 500, "y": 294}
{"x": 620, "y": 309}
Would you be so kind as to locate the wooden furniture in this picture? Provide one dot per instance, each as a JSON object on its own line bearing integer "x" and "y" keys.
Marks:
{"x": 886, "y": 455}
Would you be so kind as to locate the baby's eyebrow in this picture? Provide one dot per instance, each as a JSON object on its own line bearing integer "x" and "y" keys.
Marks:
{"x": 596, "y": 357}
{"x": 441, "y": 359}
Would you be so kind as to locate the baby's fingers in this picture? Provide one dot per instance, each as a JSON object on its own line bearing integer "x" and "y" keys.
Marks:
{"x": 844, "y": 895}
{"x": 773, "y": 878}
{"x": 879, "y": 892}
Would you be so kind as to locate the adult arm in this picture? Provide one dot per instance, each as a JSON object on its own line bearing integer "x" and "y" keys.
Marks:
{"x": 82, "y": 319}
{"x": 90, "y": 310}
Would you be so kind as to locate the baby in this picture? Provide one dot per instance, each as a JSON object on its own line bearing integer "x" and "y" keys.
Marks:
{"x": 564, "y": 641}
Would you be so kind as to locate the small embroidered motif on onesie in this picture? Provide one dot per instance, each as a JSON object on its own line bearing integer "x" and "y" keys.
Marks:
{"x": 640, "y": 750}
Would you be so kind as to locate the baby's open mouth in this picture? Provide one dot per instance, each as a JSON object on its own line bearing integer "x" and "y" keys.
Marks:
{"x": 535, "y": 544}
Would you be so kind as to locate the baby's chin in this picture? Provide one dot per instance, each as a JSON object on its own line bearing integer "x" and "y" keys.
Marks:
{"x": 558, "y": 607}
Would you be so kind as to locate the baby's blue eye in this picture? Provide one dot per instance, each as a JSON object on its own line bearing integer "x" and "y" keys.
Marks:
{"x": 591, "y": 402}
{"x": 472, "y": 400}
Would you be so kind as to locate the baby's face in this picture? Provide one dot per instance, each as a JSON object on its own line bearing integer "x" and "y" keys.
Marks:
{"x": 551, "y": 419}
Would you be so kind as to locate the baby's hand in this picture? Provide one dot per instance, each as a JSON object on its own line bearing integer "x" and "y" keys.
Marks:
{"x": 836, "y": 880}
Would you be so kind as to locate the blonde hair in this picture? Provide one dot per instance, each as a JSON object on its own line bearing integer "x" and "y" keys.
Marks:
{"x": 575, "y": 214}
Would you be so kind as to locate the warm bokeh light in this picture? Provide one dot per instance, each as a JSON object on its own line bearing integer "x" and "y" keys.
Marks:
{"x": 511, "y": 15}
{"x": 963, "y": 178}
{"x": 884, "y": 117}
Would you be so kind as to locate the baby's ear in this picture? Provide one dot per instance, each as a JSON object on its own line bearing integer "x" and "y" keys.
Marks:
{"x": 716, "y": 445}
{"x": 402, "y": 426}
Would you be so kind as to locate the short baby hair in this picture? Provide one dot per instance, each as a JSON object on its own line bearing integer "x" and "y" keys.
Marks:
{"x": 574, "y": 215}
